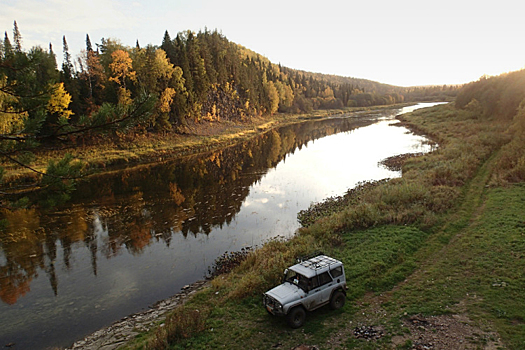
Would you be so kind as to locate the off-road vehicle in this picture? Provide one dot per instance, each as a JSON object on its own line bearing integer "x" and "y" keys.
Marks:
{"x": 306, "y": 286}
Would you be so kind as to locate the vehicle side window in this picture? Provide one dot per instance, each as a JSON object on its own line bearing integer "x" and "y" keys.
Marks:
{"x": 303, "y": 281}
{"x": 324, "y": 278}
{"x": 338, "y": 271}
{"x": 313, "y": 283}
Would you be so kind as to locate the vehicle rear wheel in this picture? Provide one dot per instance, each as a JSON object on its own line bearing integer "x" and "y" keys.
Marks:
{"x": 296, "y": 316}
{"x": 338, "y": 300}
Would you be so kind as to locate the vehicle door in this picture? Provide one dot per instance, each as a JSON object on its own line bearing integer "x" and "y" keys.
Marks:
{"x": 325, "y": 288}
{"x": 312, "y": 289}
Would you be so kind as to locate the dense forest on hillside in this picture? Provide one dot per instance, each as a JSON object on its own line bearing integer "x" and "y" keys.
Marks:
{"x": 199, "y": 76}
{"x": 112, "y": 89}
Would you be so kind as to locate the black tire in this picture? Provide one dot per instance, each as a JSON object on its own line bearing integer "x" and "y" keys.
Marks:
{"x": 338, "y": 300}
{"x": 296, "y": 316}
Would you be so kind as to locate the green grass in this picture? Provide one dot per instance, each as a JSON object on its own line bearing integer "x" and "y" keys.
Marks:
{"x": 377, "y": 259}
{"x": 482, "y": 272}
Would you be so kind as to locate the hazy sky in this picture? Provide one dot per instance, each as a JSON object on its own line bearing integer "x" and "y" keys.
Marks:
{"x": 396, "y": 42}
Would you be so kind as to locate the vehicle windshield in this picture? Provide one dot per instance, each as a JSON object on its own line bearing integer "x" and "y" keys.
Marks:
{"x": 296, "y": 278}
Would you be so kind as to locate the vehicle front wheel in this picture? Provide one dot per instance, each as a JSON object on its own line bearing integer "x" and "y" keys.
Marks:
{"x": 296, "y": 316}
{"x": 338, "y": 300}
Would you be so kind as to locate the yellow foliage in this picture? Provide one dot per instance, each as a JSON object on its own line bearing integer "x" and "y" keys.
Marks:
{"x": 24, "y": 224}
{"x": 166, "y": 99}
{"x": 121, "y": 67}
{"x": 59, "y": 101}
{"x": 327, "y": 93}
{"x": 273, "y": 95}
{"x": 286, "y": 95}
{"x": 162, "y": 68}
{"x": 124, "y": 97}
{"x": 10, "y": 121}
{"x": 176, "y": 194}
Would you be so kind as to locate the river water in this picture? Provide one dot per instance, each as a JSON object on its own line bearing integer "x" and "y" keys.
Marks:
{"x": 132, "y": 237}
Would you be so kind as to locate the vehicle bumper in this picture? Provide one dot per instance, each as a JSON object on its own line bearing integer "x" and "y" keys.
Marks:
{"x": 272, "y": 306}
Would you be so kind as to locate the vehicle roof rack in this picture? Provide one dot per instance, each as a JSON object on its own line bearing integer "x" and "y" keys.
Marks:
{"x": 318, "y": 262}
{"x": 309, "y": 256}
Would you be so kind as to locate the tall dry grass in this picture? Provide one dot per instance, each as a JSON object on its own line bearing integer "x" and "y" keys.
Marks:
{"x": 181, "y": 324}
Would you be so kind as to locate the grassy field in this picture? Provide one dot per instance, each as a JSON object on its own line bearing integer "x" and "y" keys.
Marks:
{"x": 445, "y": 242}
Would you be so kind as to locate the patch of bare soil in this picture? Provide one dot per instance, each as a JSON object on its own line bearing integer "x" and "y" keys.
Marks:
{"x": 446, "y": 332}
{"x": 442, "y": 332}
{"x": 367, "y": 323}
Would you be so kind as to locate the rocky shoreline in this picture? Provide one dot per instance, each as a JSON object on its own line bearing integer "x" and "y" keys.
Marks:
{"x": 124, "y": 330}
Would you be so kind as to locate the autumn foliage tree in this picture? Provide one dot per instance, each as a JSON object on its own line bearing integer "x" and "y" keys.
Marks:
{"x": 35, "y": 114}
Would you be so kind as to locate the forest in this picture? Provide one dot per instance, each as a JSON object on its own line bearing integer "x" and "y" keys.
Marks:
{"x": 111, "y": 89}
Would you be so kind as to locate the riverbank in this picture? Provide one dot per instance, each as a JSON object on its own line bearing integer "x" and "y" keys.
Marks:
{"x": 433, "y": 259}
{"x": 128, "y": 328}
{"x": 104, "y": 154}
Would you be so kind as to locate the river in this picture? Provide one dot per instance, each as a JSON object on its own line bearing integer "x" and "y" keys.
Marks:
{"x": 132, "y": 237}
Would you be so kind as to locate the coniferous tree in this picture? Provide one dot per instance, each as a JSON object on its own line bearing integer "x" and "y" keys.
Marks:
{"x": 17, "y": 37}
{"x": 169, "y": 47}
{"x": 67, "y": 66}
{"x": 167, "y": 39}
{"x": 183, "y": 62}
{"x": 8, "y": 48}
{"x": 89, "y": 47}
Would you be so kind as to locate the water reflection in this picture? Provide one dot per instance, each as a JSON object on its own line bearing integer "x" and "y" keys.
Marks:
{"x": 123, "y": 242}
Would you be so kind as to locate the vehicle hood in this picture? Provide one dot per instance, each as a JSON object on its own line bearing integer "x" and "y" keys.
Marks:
{"x": 286, "y": 292}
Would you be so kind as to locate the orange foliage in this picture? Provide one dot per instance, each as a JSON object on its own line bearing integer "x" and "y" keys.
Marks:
{"x": 121, "y": 68}
{"x": 13, "y": 287}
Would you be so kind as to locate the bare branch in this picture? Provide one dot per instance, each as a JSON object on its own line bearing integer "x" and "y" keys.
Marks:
{"x": 93, "y": 127}
{"x": 16, "y": 161}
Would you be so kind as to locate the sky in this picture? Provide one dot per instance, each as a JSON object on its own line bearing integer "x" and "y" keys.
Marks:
{"x": 402, "y": 42}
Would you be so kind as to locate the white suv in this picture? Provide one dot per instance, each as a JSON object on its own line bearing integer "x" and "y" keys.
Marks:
{"x": 307, "y": 285}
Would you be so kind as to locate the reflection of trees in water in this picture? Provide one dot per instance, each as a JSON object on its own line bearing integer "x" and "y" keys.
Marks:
{"x": 17, "y": 245}
{"x": 28, "y": 247}
{"x": 135, "y": 207}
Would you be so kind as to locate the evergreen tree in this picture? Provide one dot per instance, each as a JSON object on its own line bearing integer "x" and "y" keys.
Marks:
{"x": 8, "y": 48}
{"x": 17, "y": 37}
{"x": 67, "y": 66}
{"x": 183, "y": 62}
{"x": 89, "y": 47}
{"x": 169, "y": 48}
{"x": 167, "y": 39}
